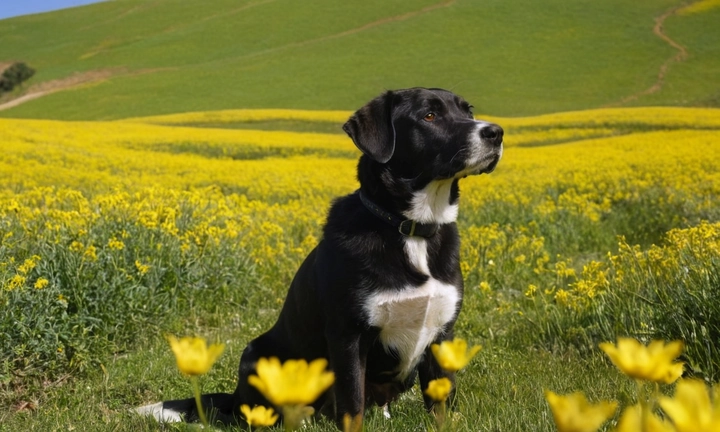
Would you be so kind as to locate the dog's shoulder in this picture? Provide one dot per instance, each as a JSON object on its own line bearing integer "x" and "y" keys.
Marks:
{"x": 349, "y": 222}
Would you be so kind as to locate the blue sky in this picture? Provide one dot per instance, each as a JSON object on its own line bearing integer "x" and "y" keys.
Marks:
{"x": 11, "y": 8}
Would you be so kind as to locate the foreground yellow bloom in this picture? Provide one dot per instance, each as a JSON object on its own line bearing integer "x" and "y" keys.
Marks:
{"x": 651, "y": 363}
{"x": 691, "y": 409}
{"x": 193, "y": 355}
{"x": 352, "y": 424}
{"x": 439, "y": 389}
{"x": 453, "y": 355}
{"x": 573, "y": 413}
{"x": 633, "y": 420}
{"x": 295, "y": 382}
{"x": 259, "y": 416}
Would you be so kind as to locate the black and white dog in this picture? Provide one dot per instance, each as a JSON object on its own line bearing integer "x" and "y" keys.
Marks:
{"x": 384, "y": 283}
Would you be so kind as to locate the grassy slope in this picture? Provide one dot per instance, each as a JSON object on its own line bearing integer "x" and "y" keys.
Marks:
{"x": 508, "y": 58}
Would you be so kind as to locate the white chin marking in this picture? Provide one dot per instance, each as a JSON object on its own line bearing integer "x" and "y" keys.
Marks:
{"x": 160, "y": 414}
{"x": 432, "y": 204}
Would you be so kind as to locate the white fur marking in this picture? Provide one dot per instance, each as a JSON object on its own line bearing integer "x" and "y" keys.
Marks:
{"x": 160, "y": 414}
{"x": 432, "y": 203}
{"x": 478, "y": 150}
{"x": 416, "y": 251}
{"x": 411, "y": 318}
{"x": 476, "y": 147}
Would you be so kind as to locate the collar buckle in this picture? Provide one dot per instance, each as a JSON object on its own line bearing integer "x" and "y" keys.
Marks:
{"x": 407, "y": 227}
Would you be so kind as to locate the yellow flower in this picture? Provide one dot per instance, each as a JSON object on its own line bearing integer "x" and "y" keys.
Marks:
{"x": 691, "y": 409}
{"x": 651, "y": 363}
{"x": 41, "y": 283}
{"x": 439, "y": 389}
{"x": 116, "y": 244}
{"x": 562, "y": 298}
{"x": 15, "y": 282}
{"x": 453, "y": 355}
{"x": 352, "y": 424}
{"x": 573, "y": 413}
{"x": 295, "y": 382}
{"x": 193, "y": 355}
{"x": 259, "y": 416}
{"x": 633, "y": 420}
{"x": 29, "y": 264}
{"x": 90, "y": 253}
{"x": 141, "y": 268}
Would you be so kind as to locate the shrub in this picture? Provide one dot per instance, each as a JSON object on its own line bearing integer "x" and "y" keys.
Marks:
{"x": 15, "y": 75}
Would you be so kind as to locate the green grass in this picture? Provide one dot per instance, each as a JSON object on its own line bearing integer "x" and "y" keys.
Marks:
{"x": 502, "y": 390}
{"x": 516, "y": 57}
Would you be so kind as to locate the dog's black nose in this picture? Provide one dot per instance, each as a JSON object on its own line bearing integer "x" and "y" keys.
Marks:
{"x": 492, "y": 134}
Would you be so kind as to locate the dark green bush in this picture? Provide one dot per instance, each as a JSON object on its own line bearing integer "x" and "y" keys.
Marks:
{"x": 15, "y": 75}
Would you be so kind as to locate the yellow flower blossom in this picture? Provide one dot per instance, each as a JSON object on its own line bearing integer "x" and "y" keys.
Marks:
{"x": 691, "y": 409}
{"x": 295, "y": 382}
{"x": 352, "y": 424}
{"x": 15, "y": 282}
{"x": 41, "y": 283}
{"x": 141, "y": 268}
{"x": 573, "y": 413}
{"x": 453, "y": 355}
{"x": 650, "y": 363}
{"x": 439, "y": 389}
{"x": 193, "y": 355}
{"x": 485, "y": 287}
{"x": 29, "y": 264}
{"x": 116, "y": 244}
{"x": 634, "y": 419}
{"x": 90, "y": 253}
{"x": 259, "y": 416}
{"x": 562, "y": 297}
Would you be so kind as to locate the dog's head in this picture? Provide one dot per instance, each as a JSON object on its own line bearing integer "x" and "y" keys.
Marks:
{"x": 425, "y": 135}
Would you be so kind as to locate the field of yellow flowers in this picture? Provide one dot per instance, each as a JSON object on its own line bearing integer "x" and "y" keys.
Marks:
{"x": 596, "y": 224}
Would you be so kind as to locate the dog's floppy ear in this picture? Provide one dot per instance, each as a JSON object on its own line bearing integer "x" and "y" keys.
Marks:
{"x": 371, "y": 128}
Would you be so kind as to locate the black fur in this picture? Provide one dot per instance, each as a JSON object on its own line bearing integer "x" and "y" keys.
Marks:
{"x": 404, "y": 150}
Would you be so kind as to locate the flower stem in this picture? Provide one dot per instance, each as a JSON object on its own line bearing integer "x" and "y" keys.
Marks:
{"x": 291, "y": 417}
{"x": 440, "y": 413}
{"x": 196, "y": 391}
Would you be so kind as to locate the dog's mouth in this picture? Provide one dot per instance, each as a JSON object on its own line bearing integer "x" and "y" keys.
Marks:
{"x": 485, "y": 166}
{"x": 489, "y": 167}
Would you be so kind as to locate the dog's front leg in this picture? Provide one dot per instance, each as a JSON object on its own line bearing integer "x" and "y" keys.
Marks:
{"x": 348, "y": 361}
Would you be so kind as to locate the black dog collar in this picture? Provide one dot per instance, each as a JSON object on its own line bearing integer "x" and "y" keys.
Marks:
{"x": 405, "y": 227}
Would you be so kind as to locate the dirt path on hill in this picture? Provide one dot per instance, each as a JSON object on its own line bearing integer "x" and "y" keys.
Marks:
{"x": 75, "y": 80}
{"x": 48, "y": 87}
{"x": 679, "y": 56}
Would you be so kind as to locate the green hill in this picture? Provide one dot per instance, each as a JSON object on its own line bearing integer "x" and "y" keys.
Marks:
{"x": 509, "y": 57}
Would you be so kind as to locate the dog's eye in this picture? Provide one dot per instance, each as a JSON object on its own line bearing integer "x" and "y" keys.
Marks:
{"x": 429, "y": 117}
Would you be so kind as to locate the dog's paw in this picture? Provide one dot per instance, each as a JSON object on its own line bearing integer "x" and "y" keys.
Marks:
{"x": 161, "y": 414}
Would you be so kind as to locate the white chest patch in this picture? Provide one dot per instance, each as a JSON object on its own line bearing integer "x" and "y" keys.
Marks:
{"x": 411, "y": 318}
